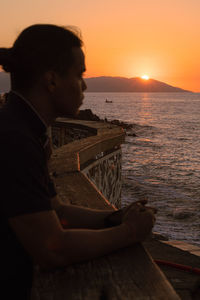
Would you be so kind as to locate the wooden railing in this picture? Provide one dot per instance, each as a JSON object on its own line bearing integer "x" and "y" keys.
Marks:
{"x": 128, "y": 274}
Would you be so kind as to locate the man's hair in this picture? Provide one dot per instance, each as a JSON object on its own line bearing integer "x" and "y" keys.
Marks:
{"x": 39, "y": 48}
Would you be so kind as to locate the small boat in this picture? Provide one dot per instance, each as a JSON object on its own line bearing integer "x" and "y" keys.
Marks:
{"x": 108, "y": 101}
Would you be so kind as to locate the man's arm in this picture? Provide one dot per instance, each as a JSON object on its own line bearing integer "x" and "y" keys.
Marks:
{"x": 73, "y": 216}
{"x": 50, "y": 245}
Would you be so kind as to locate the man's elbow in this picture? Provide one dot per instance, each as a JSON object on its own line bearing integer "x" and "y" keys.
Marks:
{"x": 54, "y": 255}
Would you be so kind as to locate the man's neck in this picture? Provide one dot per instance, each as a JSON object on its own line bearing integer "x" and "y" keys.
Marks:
{"x": 38, "y": 105}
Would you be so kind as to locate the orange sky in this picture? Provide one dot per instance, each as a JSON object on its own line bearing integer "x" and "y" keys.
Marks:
{"x": 130, "y": 38}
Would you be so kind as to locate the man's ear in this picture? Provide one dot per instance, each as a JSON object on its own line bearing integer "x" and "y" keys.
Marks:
{"x": 51, "y": 80}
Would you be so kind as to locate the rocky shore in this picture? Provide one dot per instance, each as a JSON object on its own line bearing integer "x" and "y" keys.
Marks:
{"x": 88, "y": 115}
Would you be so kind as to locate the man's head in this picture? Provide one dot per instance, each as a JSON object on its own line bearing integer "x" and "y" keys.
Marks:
{"x": 49, "y": 55}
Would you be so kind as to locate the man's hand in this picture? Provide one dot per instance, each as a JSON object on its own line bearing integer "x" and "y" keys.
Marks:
{"x": 116, "y": 217}
{"x": 140, "y": 219}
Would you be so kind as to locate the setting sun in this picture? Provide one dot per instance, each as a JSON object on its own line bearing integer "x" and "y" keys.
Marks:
{"x": 145, "y": 77}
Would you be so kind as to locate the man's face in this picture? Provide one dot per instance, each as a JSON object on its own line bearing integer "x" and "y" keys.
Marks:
{"x": 69, "y": 93}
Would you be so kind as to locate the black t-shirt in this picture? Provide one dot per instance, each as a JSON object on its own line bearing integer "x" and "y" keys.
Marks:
{"x": 24, "y": 187}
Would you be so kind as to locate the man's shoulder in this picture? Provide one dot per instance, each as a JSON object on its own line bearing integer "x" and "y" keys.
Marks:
{"x": 17, "y": 140}
{"x": 14, "y": 136}
{"x": 18, "y": 145}
{"x": 11, "y": 126}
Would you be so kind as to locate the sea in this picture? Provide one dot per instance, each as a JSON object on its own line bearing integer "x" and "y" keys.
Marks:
{"x": 161, "y": 155}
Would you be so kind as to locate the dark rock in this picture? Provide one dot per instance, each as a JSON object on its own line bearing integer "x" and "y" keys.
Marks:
{"x": 122, "y": 124}
{"x": 87, "y": 114}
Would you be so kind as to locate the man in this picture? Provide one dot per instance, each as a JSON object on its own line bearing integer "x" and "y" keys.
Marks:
{"x": 46, "y": 64}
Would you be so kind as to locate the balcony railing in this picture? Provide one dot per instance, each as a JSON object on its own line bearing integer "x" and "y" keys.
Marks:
{"x": 98, "y": 150}
{"x": 87, "y": 172}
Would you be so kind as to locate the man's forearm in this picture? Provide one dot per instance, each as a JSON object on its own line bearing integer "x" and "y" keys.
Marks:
{"x": 81, "y": 244}
{"x": 72, "y": 216}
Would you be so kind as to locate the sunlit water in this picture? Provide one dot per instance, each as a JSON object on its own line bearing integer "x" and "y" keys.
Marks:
{"x": 162, "y": 162}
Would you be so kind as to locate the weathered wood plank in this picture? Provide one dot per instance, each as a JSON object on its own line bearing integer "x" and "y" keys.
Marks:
{"x": 104, "y": 144}
{"x": 93, "y": 126}
{"x": 64, "y": 162}
{"x": 75, "y": 188}
{"x": 79, "y": 145}
{"x": 125, "y": 274}
{"x": 68, "y": 123}
{"x": 70, "y": 156}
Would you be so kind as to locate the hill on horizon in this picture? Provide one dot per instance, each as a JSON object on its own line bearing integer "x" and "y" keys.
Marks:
{"x": 112, "y": 84}
{"x": 123, "y": 84}
{"x": 4, "y": 82}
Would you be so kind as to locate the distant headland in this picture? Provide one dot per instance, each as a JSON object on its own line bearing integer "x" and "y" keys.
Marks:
{"x": 123, "y": 84}
{"x": 4, "y": 82}
{"x": 113, "y": 84}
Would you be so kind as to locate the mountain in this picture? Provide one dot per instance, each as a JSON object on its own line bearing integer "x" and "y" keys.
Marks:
{"x": 122, "y": 84}
{"x": 112, "y": 84}
{"x": 4, "y": 82}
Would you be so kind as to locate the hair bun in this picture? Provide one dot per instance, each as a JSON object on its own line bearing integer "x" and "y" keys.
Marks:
{"x": 6, "y": 59}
